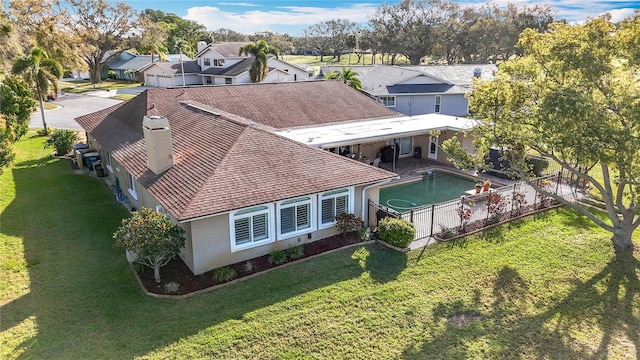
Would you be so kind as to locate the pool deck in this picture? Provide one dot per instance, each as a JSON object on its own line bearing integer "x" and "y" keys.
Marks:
{"x": 411, "y": 169}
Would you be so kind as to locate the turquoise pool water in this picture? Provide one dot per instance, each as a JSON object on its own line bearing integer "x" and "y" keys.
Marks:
{"x": 432, "y": 189}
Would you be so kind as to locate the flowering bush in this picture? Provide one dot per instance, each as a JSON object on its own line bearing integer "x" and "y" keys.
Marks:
{"x": 496, "y": 205}
{"x": 518, "y": 200}
{"x": 464, "y": 213}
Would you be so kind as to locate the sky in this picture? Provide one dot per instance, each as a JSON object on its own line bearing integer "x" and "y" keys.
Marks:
{"x": 292, "y": 17}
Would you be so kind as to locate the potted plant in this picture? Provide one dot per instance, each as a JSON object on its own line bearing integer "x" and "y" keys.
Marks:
{"x": 486, "y": 185}
{"x": 478, "y": 187}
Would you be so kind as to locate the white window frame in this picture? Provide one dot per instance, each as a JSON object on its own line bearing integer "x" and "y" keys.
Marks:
{"x": 295, "y": 203}
{"x": 218, "y": 62}
{"x": 132, "y": 187}
{"x": 250, "y": 213}
{"x": 437, "y": 104}
{"x": 108, "y": 161}
{"x": 399, "y": 141}
{"x": 349, "y": 192}
{"x": 206, "y": 62}
{"x": 388, "y": 101}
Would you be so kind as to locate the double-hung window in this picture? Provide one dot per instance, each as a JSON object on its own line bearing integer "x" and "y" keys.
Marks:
{"x": 388, "y": 101}
{"x": 296, "y": 217}
{"x": 207, "y": 62}
{"x": 437, "y": 103}
{"x": 251, "y": 227}
{"x": 334, "y": 203}
{"x": 132, "y": 187}
{"x": 107, "y": 158}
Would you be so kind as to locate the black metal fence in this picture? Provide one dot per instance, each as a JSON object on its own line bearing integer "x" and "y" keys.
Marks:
{"x": 471, "y": 212}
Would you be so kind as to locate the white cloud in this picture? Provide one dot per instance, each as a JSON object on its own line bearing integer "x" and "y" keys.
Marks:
{"x": 618, "y": 15}
{"x": 238, "y": 4}
{"x": 293, "y": 17}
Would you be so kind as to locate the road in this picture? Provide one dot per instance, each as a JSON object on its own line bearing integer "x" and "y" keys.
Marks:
{"x": 71, "y": 106}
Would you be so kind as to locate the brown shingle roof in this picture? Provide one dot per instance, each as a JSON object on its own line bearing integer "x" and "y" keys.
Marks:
{"x": 222, "y": 162}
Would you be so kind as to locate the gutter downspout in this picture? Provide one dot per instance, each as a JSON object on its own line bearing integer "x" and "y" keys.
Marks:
{"x": 364, "y": 190}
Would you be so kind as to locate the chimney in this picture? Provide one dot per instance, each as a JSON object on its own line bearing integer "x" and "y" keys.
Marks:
{"x": 157, "y": 142}
{"x": 201, "y": 45}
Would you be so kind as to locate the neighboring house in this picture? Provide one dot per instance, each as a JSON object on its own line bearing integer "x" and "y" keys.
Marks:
{"x": 420, "y": 89}
{"x": 130, "y": 66}
{"x": 220, "y": 64}
{"x": 212, "y": 159}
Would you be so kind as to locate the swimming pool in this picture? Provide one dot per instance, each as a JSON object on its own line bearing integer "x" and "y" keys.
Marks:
{"x": 436, "y": 187}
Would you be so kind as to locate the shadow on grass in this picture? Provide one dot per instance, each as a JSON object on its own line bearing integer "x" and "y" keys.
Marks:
{"x": 385, "y": 264}
{"x": 506, "y": 330}
{"x": 82, "y": 296}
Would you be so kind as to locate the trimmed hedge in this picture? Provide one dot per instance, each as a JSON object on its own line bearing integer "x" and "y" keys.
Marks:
{"x": 397, "y": 232}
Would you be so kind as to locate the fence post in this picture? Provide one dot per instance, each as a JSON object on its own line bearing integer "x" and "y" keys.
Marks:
{"x": 411, "y": 215}
{"x": 433, "y": 215}
{"x": 558, "y": 181}
{"x": 513, "y": 194}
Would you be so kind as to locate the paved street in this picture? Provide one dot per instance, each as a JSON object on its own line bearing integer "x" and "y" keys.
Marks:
{"x": 71, "y": 106}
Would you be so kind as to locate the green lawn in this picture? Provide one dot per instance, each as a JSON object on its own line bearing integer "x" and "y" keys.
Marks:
{"x": 81, "y": 86}
{"x": 344, "y": 60}
{"x": 542, "y": 288}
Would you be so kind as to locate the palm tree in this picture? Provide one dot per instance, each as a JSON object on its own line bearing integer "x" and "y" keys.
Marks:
{"x": 260, "y": 51}
{"x": 347, "y": 76}
{"x": 41, "y": 72}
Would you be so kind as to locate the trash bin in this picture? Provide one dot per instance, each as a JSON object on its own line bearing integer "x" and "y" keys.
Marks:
{"x": 99, "y": 170}
{"x": 417, "y": 152}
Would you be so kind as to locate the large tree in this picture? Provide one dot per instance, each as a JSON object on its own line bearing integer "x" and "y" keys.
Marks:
{"x": 42, "y": 73}
{"x": 16, "y": 105}
{"x": 574, "y": 97}
{"x": 412, "y": 25}
{"x": 100, "y": 28}
{"x": 260, "y": 50}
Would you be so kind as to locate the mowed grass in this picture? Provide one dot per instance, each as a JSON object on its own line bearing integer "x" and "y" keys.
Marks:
{"x": 366, "y": 59}
{"x": 545, "y": 287}
{"x": 81, "y": 86}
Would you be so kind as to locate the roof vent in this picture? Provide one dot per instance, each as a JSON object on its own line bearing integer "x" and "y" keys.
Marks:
{"x": 477, "y": 72}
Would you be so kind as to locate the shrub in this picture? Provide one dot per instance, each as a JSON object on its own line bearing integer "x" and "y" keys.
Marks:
{"x": 397, "y": 232}
{"x": 248, "y": 266}
{"x": 446, "y": 233}
{"x": 41, "y": 132}
{"x": 224, "y": 274}
{"x": 365, "y": 234}
{"x": 277, "y": 257}
{"x": 171, "y": 287}
{"x": 295, "y": 252}
{"x": 62, "y": 140}
{"x": 464, "y": 213}
{"x": 347, "y": 223}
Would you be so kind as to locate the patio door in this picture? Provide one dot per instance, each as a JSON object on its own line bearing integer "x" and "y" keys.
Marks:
{"x": 433, "y": 147}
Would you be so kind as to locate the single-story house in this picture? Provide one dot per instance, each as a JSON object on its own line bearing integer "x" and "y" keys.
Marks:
{"x": 420, "y": 89}
{"x": 211, "y": 158}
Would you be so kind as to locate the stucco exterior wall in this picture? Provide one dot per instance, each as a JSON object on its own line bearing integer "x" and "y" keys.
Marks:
{"x": 211, "y": 243}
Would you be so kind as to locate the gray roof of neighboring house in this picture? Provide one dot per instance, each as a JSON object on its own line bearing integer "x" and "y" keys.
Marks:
{"x": 135, "y": 63}
{"x": 226, "y": 49}
{"x": 381, "y": 80}
{"x": 226, "y": 155}
{"x": 234, "y": 70}
{"x": 190, "y": 67}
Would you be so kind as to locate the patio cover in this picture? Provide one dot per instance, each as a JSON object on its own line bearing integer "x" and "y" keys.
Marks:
{"x": 367, "y": 131}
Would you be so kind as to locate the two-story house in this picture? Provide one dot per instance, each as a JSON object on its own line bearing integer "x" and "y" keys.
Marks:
{"x": 221, "y": 64}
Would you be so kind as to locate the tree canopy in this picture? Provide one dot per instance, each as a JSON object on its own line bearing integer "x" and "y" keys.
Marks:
{"x": 151, "y": 237}
{"x": 41, "y": 72}
{"x": 574, "y": 97}
{"x": 260, "y": 50}
{"x": 347, "y": 76}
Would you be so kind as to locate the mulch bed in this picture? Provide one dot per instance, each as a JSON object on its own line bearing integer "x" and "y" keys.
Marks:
{"x": 177, "y": 271}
